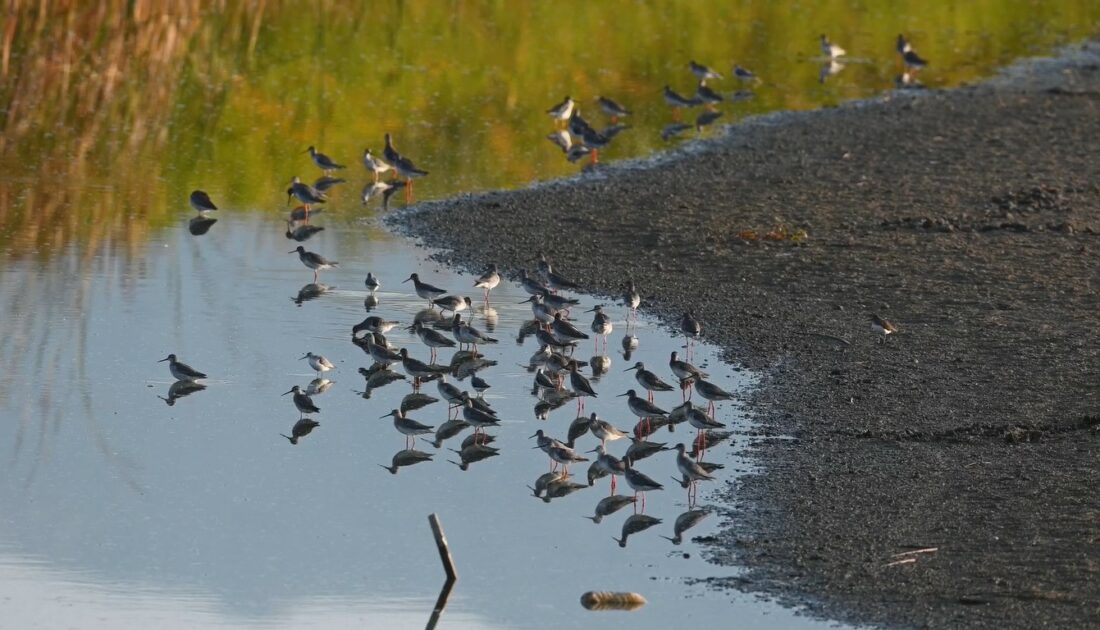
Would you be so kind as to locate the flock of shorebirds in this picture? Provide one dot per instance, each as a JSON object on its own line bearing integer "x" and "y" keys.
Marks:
{"x": 580, "y": 139}
{"x": 558, "y": 376}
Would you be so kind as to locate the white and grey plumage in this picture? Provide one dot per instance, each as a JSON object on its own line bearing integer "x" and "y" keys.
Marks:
{"x": 648, "y": 380}
{"x": 381, "y": 353}
{"x": 407, "y": 426}
{"x": 690, "y": 468}
{"x": 488, "y": 280}
{"x": 700, "y": 420}
{"x": 552, "y": 279}
{"x": 564, "y": 330}
{"x": 882, "y": 326}
{"x": 543, "y": 313}
{"x": 180, "y": 370}
{"x": 431, "y": 337}
{"x": 423, "y": 289}
{"x": 563, "y": 110}
{"x": 545, "y": 442}
{"x": 603, "y": 429}
{"x": 465, "y": 333}
{"x": 831, "y": 50}
{"x": 558, "y": 302}
{"x": 319, "y": 363}
{"x": 607, "y": 462}
{"x": 638, "y": 481}
{"x": 417, "y": 368}
{"x": 531, "y": 285}
{"x": 372, "y": 283}
{"x": 477, "y": 418}
{"x": 561, "y": 139}
{"x": 690, "y": 325}
{"x": 374, "y": 164}
{"x": 449, "y": 392}
{"x": 703, "y": 72}
{"x": 565, "y": 455}
{"x": 304, "y": 193}
{"x": 642, "y": 407}
{"x": 302, "y": 402}
{"x": 601, "y": 323}
{"x": 323, "y": 162}
{"x": 684, "y": 370}
{"x": 313, "y": 260}
{"x": 453, "y": 303}
{"x": 631, "y": 298}
{"x": 374, "y": 324}
{"x": 200, "y": 201}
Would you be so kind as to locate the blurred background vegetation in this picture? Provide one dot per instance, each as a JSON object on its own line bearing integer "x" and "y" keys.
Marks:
{"x": 112, "y": 111}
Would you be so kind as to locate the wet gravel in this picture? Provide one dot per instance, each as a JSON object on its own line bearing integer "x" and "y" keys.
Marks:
{"x": 970, "y": 218}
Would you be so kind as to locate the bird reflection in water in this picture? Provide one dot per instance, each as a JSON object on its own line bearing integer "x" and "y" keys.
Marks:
{"x": 200, "y": 224}
{"x": 473, "y": 454}
{"x": 179, "y": 389}
{"x": 319, "y": 386}
{"x": 609, "y": 505}
{"x": 544, "y": 480}
{"x": 600, "y": 365}
{"x": 370, "y": 302}
{"x": 311, "y": 291}
{"x": 379, "y": 375}
{"x": 406, "y": 457}
{"x": 301, "y": 429}
{"x": 416, "y": 400}
{"x": 559, "y": 488}
{"x": 301, "y": 232}
{"x": 630, "y": 344}
{"x": 684, "y": 522}
{"x": 635, "y": 523}
{"x": 446, "y": 431}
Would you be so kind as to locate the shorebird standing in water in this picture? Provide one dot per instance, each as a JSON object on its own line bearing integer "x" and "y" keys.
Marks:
{"x": 703, "y": 72}
{"x": 882, "y": 326}
{"x": 488, "y": 281}
{"x": 374, "y": 165}
{"x": 180, "y": 370}
{"x": 831, "y": 50}
{"x": 909, "y": 57}
{"x": 648, "y": 380}
{"x": 200, "y": 201}
{"x": 323, "y": 161}
{"x": 743, "y": 74}
{"x": 305, "y": 193}
{"x": 601, "y": 325}
{"x": 562, "y": 111}
{"x": 632, "y": 300}
{"x": 302, "y": 402}
{"x": 425, "y": 290}
{"x": 314, "y": 261}
{"x": 692, "y": 328}
{"x": 319, "y": 363}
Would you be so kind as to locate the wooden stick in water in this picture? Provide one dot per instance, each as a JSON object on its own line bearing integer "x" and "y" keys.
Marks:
{"x": 444, "y": 550}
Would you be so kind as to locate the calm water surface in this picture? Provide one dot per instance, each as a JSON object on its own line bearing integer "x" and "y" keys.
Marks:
{"x": 123, "y": 509}
{"x": 120, "y": 510}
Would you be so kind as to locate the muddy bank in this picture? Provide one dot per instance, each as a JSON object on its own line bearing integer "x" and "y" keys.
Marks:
{"x": 969, "y": 217}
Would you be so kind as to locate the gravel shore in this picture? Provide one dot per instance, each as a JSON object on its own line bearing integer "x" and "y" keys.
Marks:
{"x": 970, "y": 218}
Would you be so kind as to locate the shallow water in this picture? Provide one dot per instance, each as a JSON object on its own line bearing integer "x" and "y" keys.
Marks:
{"x": 128, "y": 510}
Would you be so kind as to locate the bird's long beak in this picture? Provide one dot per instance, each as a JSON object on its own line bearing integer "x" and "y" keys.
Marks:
{"x": 621, "y": 395}
{"x": 527, "y": 300}
{"x": 591, "y": 451}
{"x": 293, "y": 252}
{"x": 531, "y": 436}
{"x": 302, "y": 357}
{"x": 406, "y": 280}
{"x": 163, "y": 360}
{"x": 630, "y": 368}
{"x": 592, "y": 310}
{"x": 286, "y": 392}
